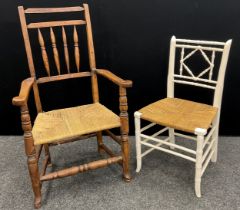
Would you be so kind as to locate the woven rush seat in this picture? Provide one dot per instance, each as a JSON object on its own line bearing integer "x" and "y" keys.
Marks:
{"x": 72, "y": 122}
{"x": 179, "y": 114}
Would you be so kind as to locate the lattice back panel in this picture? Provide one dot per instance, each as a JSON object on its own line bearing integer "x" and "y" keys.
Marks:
{"x": 198, "y": 66}
{"x": 198, "y": 63}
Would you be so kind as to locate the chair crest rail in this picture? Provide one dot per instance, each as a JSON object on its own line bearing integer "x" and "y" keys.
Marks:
{"x": 53, "y": 10}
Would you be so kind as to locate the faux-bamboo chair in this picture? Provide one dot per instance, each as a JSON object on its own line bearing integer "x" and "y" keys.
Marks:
{"x": 70, "y": 124}
{"x": 190, "y": 117}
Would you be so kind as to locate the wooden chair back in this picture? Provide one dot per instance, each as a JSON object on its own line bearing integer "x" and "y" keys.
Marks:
{"x": 61, "y": 73}
{"x": 184, "y": 75}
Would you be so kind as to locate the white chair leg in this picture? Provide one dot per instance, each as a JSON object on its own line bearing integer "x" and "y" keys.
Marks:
{"x": 198, "y": 167}
{"x": 215, "y": 146}
{"x": 171, "y": 137}
{"x": 138, "y": 139}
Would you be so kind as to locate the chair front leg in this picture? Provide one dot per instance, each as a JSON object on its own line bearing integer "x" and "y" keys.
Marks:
{"x": 137, "y": 121}
{"x": 31, "y": 156}
{"x": 198, "y": 167}
{"x": 124, "y": 132}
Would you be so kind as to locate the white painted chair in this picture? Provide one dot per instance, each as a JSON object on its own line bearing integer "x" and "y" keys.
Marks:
{"x": 200, "y": 120}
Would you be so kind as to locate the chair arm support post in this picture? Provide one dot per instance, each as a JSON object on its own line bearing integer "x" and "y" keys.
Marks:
{"x": 123, "y": 106}
{"x": 27, "y": 129}
{"x": 112, "y": 77}
{"x": 22, "y": 98}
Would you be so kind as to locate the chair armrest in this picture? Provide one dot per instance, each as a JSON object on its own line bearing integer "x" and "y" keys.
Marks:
{"x": 24, "y": 92}
{"x": 112, "y": 77}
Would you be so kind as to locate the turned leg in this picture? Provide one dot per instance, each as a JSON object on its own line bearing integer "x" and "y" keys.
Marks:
{"x": 172, "y": 137}
{"x": 124, "y": 133}
{"x": 125, "y": 154}
{"x": 31, "y": 156}
{"x": 138, "y": 139}
{"x": 35, "y": 179}
{"x": 198, "y": 166}
{"x": 47, "y": 154}
{"x": 100, "y": 142}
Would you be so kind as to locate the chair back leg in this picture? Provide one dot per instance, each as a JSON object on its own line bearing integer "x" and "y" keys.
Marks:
{"x": 171, "y": 137}
{"x": 138, "y": 140}
{"x": 215, "y": 136}
{"x": 100, "y": 142}
{"x": 215, "y": 147}
{"x": 47, "y": 155}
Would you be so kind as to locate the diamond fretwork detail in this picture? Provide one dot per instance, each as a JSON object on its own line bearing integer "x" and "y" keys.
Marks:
{"x": 208, "y": 70}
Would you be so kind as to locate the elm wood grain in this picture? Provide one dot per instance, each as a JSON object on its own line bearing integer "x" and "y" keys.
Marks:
{"x": 91, "y": 54}
{"x": 55, "y": 23}
{"x": 55, "y": 51}
{"x": 29, "y": 56}
{"x": 25, "y": 89}
{"x": 115, "y": 79}
{"x": 44, "y": 52}
{"x": 65, "y": 45}
{"x": 114, "y": 137}
{"x": 63, "y": 77}
{"x": 95, "y": 92}
{"x": 47, "y": 154}
{"x": 99, "y": 141}
{"x": 38, "y": 149}
{"x": 107, "y": 150}
{"x": 123, "y": 106}
{"x": 34, "y": 152}
{"x": 79, "y": 169}
{"x": 110, "y": 153}
{"x": 26, "y": 40}
{"x": 45, "y": 164}
{"x": 76, "y": 48}
{"x": 53, "y": 10}
{"x": 31, "y": 155}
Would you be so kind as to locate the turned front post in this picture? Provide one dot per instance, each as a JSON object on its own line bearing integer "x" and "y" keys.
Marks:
{"x": 31, "y": 155}
{"x": 124, "y": 132}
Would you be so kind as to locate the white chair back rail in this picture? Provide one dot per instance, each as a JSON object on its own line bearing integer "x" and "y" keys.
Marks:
{"x": 187, "y": 76}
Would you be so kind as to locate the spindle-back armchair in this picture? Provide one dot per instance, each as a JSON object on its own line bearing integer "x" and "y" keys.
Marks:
{"x": 186, "y": 118}
{"x": 70, "y": 124}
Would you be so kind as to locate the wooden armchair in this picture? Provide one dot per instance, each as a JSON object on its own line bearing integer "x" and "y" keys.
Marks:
{"x": 186, "y": 118}
{"x": 70, "y": 124}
